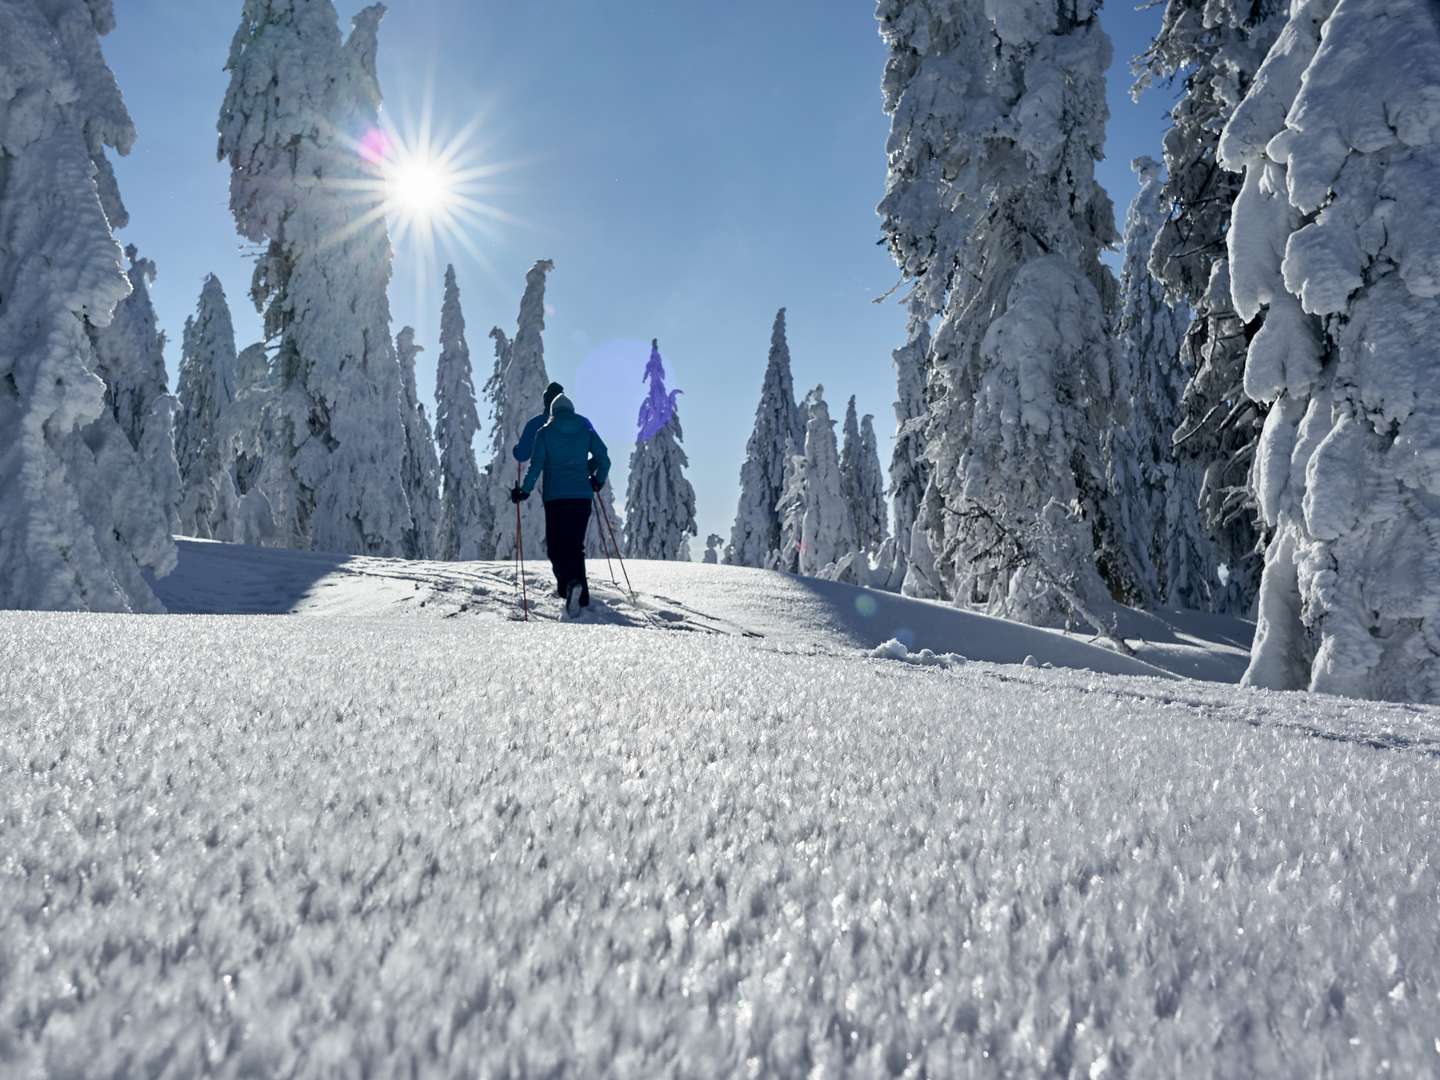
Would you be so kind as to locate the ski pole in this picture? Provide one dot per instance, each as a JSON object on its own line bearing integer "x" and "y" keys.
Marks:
{"x": 616, "y": 545}
{"x": 520, "y": 555}
{"x": 600, "y": 529}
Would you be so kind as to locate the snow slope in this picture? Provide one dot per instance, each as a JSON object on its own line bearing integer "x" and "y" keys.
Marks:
{"x": 777, "y": 610}
{"x": 383, "y": 845}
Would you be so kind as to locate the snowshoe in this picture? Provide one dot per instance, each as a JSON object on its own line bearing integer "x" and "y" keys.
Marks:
{"x": 572, "y": 600}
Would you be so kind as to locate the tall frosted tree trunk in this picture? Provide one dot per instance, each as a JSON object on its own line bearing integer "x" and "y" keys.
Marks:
{"x": 299, "y": 103}
{"x": 463, "y": 511}
{"x": 421, "y": 468}
{"x": 1336, "y": 238}
{"x": 778, "y": 433}
{"x": 206, "y": 390}
{"x": 1216, "y": 46}
{"x": 130, "y": 357}
{"x": 80, "y": 523}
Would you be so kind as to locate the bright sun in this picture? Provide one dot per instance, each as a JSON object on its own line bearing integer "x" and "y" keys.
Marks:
{"x": 421, "y": 188}
{"x": 434, "y": 193}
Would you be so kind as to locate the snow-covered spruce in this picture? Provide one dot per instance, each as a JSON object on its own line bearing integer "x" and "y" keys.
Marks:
{"x": 420, "y": 467}
{"x": 249, "y": 442}
{"x": 518, "y": 395}
{"x": 1020, "y": 375}
{"x": 934, "y": 90}
{"x": 1216, "y": 46}
{"x": 909, "y": 471}
{"x": 298, "y": 100}
{"x": 850, "y": 466}
{"x": 464, "y": 514}
{"x": 130, "y": 358}
{"x": 1154, "y": 494}
{"x": 659, "y": 503}
{"x": 778, "y": 433}
{"x": 1336, "y": 237}
{"x": 79, "y": 519}
{"x": 819, "y": 531}
{"x": 712, "y": 549}
{"x": 869, "y": 504}
{"x": 206, "y": 388}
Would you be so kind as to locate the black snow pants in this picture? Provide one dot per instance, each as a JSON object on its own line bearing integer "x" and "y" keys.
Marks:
{"x": 565, "y": 523}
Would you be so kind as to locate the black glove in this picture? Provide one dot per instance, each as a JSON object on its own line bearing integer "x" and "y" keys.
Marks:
{"x": 518, "y": 494}
{"x": 596, "y": 484}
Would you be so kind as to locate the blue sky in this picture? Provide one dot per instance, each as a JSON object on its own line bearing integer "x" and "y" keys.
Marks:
{"x": 689, "y": 166}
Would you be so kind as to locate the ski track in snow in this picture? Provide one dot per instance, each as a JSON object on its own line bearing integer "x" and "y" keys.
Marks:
{"x": 467, "y": 846}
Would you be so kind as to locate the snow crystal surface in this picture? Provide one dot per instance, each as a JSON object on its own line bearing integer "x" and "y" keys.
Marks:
{"x": 261, "y": 846}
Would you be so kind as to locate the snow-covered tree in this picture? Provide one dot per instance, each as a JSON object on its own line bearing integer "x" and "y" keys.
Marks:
{"x": 850, "y": 464}
{"x": 934, "y": 90}
{"x": 712, "y": 549}
{"x": 1156, "y": 493}
{"x": 869, "y": 491}
{"x": 1216, "y": 46}
{"x": 861, "y": 482}
{"x": 250, "y": 444}
{"x": 1020, "y": 380}
{"x": 421, "y": 467}
{"x": 909, "y": 471}
{"x": 299, "y": 100}
{"x": 463, "y": 496}
{"x": 79, "y": 518}
{"x": 130, "y": 357}
{"x": 819, "y": 530}
{"x": 1336, "y": 237}
{"x": 660, "y": 503}
{"x": 778, "y": 433}
{"x": 206, "y": 388}
{"x": 518, "y": 395}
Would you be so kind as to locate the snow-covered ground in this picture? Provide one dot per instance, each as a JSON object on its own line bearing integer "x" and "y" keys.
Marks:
{"x": 470, "y": 846}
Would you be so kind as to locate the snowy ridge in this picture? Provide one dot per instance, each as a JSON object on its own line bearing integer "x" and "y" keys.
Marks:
{"x": 301, "y": 846}
{"x": 772, "y": 610}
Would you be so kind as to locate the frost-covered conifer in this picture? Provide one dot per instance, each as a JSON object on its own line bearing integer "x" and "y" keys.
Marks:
{"x": 850, "y": 464}
{"x": 299, "y": 102}
{"x": 79, "y": 517}
{"x": 819, "y": 530}
{"x": 861, "y": 482}
{"x": 130, "y": 357}
{"x": 934, "y": 90}
{"x": 1216, "y": 46}
{"x": 1155, "y": 493}
{"x": 909, "y": 471}
{"x": 258, "y": 461}
{"x": 519, "y": 395}
{"x": 206, "y": 389}
{"x": 870, "y": 491}
{"x": 1020, "y": 380}
{"x": 660, "y": 503}
{"x": 457, "y": 422}
{"x": 421, "y": 467}
{"x": 712, "y": 549}
{"x": 778, "y": 433}
{"x": 1336, "y": 237}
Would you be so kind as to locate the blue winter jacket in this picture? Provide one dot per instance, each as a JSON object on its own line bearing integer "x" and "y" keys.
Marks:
{"x": 568, "y": 454}
{"x": 526, "y": 446}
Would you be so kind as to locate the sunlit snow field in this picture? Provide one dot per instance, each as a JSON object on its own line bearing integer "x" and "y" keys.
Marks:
{"x": 251, "y": 845}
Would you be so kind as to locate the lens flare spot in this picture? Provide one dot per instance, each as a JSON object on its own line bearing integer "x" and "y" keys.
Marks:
{"x": 866, "y": 605}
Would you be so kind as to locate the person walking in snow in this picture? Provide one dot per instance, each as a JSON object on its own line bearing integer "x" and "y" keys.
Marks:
{"x": 572, "y": 460}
